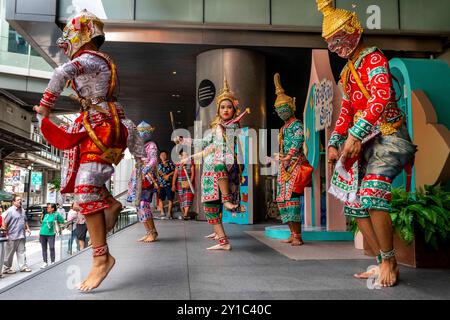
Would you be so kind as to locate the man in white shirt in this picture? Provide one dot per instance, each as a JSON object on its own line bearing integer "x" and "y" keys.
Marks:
{"x": 15, "y": 221}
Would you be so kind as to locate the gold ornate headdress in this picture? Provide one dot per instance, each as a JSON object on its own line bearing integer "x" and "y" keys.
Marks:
{"x": 226, "y": 94}
{"x": 282, "y": 98}
{"x": 335, "y": 20}
{"x": 79, "y": 30}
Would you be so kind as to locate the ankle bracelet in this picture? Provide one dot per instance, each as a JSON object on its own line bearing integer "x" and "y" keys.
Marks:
{"x": 387, "y": 255}
{"x": 226, "y": 198}
{"x": 223, "y": 241}
{"x": 100, "y": 251}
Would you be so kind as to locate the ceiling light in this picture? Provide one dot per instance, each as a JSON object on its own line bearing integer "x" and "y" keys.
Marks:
{"x": 174, "y": 72}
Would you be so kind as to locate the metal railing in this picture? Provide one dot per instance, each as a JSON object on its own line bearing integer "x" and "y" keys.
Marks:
{"x": 68, "y": 238}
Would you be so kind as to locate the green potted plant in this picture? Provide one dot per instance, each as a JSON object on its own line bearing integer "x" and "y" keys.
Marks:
{"x": 422, "y": 224}
{"x": 421, "y": 221}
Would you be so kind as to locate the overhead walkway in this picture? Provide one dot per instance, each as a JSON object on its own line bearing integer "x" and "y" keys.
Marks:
{"x": 179, "y": 267}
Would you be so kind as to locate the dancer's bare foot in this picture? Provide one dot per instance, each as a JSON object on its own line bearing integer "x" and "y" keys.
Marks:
{"x": 101, "y": 266}
{"x": 213, "y": 236}
{"x": 288, "y": 240}
{"x": 389, "y": 273}
{"x": 151, "y": 237}
{"x": 296, "y": 242}
{"x": 220, "y": 247}
{"x": 112, "y": 214}
{"x": 142, "y": 239}
{"x": 367, "y": 274}
{"x": 230, "y": 206}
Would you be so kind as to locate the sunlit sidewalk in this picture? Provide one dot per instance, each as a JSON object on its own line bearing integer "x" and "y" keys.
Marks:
{"x": 34, "y": 257}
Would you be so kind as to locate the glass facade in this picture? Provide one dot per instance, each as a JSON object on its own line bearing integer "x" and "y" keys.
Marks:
{"x": 16, "y": 53}
{"x": 408, "y": 15}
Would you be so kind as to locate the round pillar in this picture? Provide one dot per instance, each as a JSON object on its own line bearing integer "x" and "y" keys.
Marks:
{"x": 245, "y": 73}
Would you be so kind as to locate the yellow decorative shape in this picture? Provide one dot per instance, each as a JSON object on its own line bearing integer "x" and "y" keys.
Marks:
{"x": 75, "y": 40}
{"x": 432, "y": 160}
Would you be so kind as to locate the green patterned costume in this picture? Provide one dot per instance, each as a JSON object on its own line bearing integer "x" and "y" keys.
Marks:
{"x": 219, "y": 162}
{"x": 291, "y": 142}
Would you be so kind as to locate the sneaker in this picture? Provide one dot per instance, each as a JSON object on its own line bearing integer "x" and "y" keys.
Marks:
{"x": 180, "y": 217}
{"x": 163, "y": 217}
{"x": 26, "y": 269}
{"x": 44, "y": 265}
{"x": 9, "y": 271}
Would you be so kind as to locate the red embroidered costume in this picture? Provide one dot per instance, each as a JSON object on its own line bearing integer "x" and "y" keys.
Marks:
{"x": 98, "y": 137}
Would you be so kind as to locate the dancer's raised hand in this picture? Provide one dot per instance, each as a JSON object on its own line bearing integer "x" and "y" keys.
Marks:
{"x": 43, "y": 111}
{"x": 352, "y": 147}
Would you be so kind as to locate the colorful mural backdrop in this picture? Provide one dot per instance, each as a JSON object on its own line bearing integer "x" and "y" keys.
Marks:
{"x": 242, "y": 217}
{"x": 323, "y": 97}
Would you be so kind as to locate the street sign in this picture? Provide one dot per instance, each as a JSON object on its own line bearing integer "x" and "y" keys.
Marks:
{"x": 36, "y": 178}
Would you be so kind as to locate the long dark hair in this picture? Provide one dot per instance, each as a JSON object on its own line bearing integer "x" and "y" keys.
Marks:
{"x": 159, "y": 155}
{"x": 53, "y": 205}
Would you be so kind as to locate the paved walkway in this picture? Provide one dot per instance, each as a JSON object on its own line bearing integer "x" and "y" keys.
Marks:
{"x": 179, "y": 267}
{"x": 34, "y": 257}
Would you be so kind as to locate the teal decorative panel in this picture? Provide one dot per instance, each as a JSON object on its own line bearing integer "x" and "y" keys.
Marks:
{"x": 170, "y": 10}
{"x": 312, "y": 142}
{"x": 425, "y": 15}
{"x": 237, "y": 11}
{"x": 246, "y": 185}
{"x": 370, "y": 10}
{"x": 302, "y": 13}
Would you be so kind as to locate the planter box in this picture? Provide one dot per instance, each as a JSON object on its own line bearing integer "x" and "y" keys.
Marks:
{"x": 419, "y": 255}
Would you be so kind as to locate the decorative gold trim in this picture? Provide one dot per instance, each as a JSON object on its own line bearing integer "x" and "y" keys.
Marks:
{"x": 225, "y": 94}
{"x": 112, "y": 107}
{"x": 110, "y": 155}
{"x": 358, "y": 79}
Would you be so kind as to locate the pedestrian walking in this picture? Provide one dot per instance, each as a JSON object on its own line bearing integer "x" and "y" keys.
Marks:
{"x": 47, "y": 233}
{"x": 16, "y": 225}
